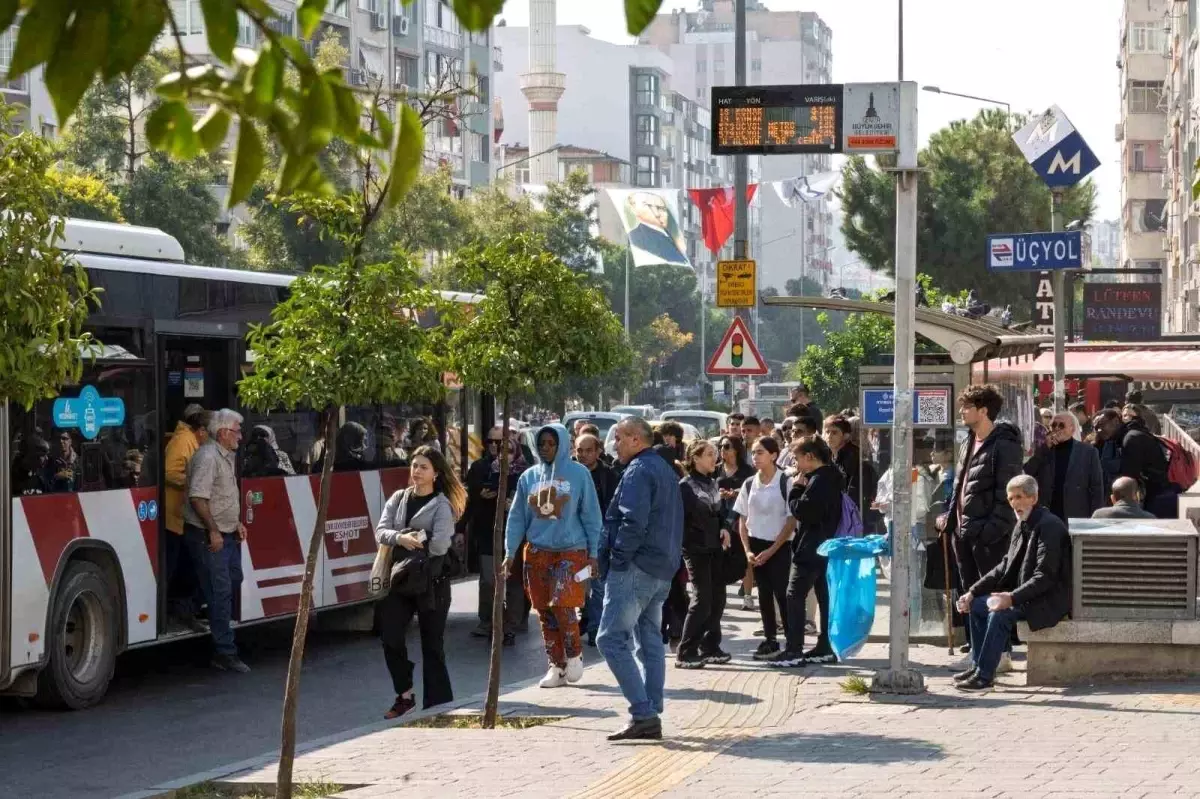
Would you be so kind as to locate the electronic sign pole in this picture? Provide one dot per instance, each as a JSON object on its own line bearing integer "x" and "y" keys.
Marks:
{"x": 741, "y": 212}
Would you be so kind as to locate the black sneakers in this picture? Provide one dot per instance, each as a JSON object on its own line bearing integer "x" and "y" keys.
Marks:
{"x": 787, "y": 658}
{"x": 765, "y": 650}
{"x": 820, "y": 657}
{"x": 230, "y": 663}
{"x": 963, "y": 676}
{"x": 976, "y": 683}
{"x": 717, "y": 657}
{"x": 689, "y": 661}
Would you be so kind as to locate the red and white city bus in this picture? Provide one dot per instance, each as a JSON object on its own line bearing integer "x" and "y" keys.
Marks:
{"x": 81, "y": 554}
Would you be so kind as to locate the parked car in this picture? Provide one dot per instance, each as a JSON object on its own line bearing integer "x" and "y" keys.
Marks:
{"x": 647, "y": 412}
{"x": 710, "y": 423}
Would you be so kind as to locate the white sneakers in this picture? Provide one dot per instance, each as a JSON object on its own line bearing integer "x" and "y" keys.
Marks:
{"x": 1005, "y": 665}
{"x": 555, "y": 678}
{"x": 748, "y": 602}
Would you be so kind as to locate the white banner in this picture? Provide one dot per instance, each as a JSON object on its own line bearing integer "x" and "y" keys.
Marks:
{"x": 806, "y": 188}
{"x": 650, "y": 218}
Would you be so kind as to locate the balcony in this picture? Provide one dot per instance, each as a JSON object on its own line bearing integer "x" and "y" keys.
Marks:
{"x": 1146, "y": 184}
{"x": 444, "y": 39}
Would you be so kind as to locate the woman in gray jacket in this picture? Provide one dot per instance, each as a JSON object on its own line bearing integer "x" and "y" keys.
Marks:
{"x": 419, "y": 520}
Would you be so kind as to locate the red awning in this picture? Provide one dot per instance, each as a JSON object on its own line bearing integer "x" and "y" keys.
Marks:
{"x": 1173, "y": 361}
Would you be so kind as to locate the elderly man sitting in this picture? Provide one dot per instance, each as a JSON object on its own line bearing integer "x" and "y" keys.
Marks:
{"x": 1031, "y": 583}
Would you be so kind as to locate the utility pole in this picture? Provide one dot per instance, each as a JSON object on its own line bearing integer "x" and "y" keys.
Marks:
{"x": 899, "y": 677}
{"x": 741, "y": 212}
{"x": 1060, "y": 314}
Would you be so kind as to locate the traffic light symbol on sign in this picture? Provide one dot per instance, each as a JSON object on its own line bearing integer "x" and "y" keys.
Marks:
{"x": 737, "y": 350}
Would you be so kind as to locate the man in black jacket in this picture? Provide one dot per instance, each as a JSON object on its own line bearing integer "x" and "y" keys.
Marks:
{"x": 817, "y": 506}
{"x": 1141, "y": 457}
{"x": 979, "y": 517}
{"x": 1070, "y": 481}
{"x": 587, "y": 451}
{"x": 483, "y": 484}
{"x": 1126, "y": 502}
{"x": 1032, "y": 583}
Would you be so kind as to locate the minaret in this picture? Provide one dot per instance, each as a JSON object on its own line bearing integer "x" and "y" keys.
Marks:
{"x": 542, "y": 87}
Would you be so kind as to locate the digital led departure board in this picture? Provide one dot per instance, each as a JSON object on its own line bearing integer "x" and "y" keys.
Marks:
{"x": 776, "y": 120}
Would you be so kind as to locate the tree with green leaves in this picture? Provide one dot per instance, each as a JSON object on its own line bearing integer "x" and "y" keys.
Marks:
{"x": 343, "y": 337}
{"x": 830, "y": 368}
{"x": 82, "y": 195}
{"x": 539, "y": 323}
{"x": 975, "y": 182}
{"x": 570, "y": 207}
{"x": 78, "y": 41}
{"x": 44, "y": 293}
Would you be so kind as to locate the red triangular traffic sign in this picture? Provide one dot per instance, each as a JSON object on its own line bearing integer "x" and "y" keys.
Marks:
{"x": 737, "y": 353}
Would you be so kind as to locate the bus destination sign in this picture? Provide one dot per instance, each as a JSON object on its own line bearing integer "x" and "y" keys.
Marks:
{"x": 776, "y": 120}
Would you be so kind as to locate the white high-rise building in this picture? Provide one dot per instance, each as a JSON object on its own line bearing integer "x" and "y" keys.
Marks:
{"x": 782, "y": 47}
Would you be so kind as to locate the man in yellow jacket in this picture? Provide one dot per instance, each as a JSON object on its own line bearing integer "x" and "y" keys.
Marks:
{"x": 181, "y": 581}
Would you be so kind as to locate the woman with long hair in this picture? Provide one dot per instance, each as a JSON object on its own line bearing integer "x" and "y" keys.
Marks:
{"x": 705, "y": 537}
{"x": 732, "y": 472}
{"x": 765, "y": 526}
{"x": 419, "y": 522}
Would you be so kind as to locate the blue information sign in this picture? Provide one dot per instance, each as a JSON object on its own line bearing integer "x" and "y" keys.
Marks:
{"x": 89, "y": 412}
{"x": 931, "y": 407}
{"x": 1035, "y": 252}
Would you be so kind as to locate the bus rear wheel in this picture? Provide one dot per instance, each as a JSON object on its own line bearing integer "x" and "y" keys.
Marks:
{"x": 81, "y": 640}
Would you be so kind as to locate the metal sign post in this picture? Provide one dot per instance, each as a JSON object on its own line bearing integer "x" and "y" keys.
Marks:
{"x": 900, "y": 677}
{"x": 1060, "y": 156}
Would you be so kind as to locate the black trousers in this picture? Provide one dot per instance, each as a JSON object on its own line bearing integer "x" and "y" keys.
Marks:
{"x": 772, "y": 581}
{"x": 431, "y": 609}
{"x": 807, "y": 576}
{"x": 675, "y": 608}
{"x": 702, "y": 625}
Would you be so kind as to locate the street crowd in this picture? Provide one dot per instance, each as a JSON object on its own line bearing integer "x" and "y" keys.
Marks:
{"x": 634, "y": 554}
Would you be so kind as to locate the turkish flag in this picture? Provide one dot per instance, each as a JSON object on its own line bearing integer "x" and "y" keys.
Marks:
{"x": 716, "y": 213}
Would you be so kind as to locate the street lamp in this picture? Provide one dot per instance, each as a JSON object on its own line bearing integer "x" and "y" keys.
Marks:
{"x": 939, "y": 90}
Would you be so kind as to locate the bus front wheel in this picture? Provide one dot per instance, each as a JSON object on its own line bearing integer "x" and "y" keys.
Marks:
{"x": 81, "y": 640}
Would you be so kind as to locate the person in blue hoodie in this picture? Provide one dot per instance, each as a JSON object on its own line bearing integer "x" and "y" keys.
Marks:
{"x": 556, "y": 517}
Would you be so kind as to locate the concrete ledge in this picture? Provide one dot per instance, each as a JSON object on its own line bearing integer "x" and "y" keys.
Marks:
{"x": 1089, "y": 651}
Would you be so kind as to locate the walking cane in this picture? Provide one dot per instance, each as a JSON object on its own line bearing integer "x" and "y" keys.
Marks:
{"x": 949, "y": 607}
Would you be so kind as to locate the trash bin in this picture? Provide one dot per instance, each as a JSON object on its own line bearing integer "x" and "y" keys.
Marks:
{"x": 851, "y": 578}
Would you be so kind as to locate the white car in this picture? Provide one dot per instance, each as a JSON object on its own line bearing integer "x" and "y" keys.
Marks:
{"x": 710, "y": 423}
{"x": 647, "y": 412}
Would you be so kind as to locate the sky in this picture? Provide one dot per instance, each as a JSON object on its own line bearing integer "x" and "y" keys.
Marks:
{"x": 1028, "y": 53}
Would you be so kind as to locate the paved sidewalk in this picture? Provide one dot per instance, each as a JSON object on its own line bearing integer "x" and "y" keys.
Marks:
{"x": 747, "y": 730}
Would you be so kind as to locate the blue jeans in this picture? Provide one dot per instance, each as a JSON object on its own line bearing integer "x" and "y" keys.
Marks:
{"x": 594, "y": 605}
{"x": 991, "y": 631}
{"x": 631, "y": 625}
{"x": 220, "y": 576}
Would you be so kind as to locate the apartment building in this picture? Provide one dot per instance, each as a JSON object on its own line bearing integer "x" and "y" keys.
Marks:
{"x": 782, "y": 47}
{"x": 1181, "y": 275}
{"x": 1106, "y": 243}
{"x": 28, "y": 93}
{"x": 1144, "y": 61}
{"x": 418, "y": 47}
{"x": 622, "y": 104}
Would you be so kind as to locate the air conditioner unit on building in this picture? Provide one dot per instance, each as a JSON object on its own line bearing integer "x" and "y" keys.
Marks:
{"x": 378, "y": 21}
{"x": 358, "y": 77}
{"x": 400, "y": 26}
{"x": 1119, "y": 133}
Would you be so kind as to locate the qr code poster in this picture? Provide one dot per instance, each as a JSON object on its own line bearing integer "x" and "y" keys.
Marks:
{"x": 933, "y": 407}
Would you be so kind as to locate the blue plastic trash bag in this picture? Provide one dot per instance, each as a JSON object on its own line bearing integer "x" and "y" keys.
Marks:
{"x": 851, "y": 578}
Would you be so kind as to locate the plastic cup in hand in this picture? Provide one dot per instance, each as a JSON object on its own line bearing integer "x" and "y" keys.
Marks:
{"x": 993, "y": 603}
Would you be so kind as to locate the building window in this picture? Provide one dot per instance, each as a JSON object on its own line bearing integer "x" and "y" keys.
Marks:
{"x": 1147, "y": 37}
{"x": 522, "y": 175}
{"x": 702, "y": 65}
{"x": 647, "y": 171}
{"x": 1145, "y": 96}
{"x": 188, "y": 16}
{"x": 667, "y": 173}
{"x": 339, "y": 8}
{"x": 8, "y": 40}
{"x": 756, "y": 65}
{"x": 647, "y": 89}
{"x": 406, "y": 71}
{"x": 247, "y": 35}
{"x": 647, "y": 130}
{"x": 1139, "y": 158}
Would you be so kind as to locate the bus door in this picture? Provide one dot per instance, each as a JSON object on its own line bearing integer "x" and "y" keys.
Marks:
{"x": 200, "y": 371}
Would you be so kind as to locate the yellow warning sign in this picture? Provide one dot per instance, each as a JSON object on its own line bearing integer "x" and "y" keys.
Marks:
{"x": 735, "y": 284}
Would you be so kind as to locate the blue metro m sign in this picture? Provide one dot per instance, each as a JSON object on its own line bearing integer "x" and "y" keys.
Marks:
{"x": 1056, "y": 150}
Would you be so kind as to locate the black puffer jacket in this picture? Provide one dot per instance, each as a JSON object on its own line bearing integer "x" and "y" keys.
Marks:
{"x": 1142, "y": 458}
{"x": 701, "y": 514}
{"x": 985, "y": 519}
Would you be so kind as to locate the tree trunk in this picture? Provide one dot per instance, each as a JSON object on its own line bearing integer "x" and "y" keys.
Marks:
{"x": 291, "y": 694}
{"x": 498, "y": 592}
